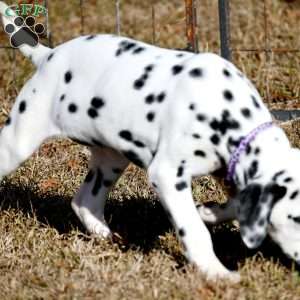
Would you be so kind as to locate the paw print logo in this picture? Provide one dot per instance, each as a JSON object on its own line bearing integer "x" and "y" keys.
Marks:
{"x": 24, "y": 32}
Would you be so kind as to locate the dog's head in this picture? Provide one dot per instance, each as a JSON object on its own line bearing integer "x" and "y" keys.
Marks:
{"x": 273, "y": 208}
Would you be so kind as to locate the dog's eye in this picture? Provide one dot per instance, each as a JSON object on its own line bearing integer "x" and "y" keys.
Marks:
{"x": 295, "y": 219}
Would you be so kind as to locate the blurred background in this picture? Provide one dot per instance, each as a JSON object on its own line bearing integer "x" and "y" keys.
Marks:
{"x": 264, "y": 36}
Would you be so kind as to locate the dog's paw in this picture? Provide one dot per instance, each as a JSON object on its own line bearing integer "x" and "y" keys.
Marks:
{"x": 24, "y": 32}
{"x": 207, "y": 214}
{"x": 231, "y": 276}
{"x": 99, "y": 229}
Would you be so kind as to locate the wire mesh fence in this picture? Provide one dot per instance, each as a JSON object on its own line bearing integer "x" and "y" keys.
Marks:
{"x": 194, "y": 28}
{"x": 265, "y": 47}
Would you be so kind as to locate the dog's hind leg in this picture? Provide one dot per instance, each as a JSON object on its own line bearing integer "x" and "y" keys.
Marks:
{"x": 28, "y": 125}
{"x": 106, "y": 165}
{"x": 214, "y": 213}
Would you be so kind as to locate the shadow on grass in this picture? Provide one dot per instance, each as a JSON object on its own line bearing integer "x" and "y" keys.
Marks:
{"x": 51, "y": 210}
{"x": 137, "y": 220}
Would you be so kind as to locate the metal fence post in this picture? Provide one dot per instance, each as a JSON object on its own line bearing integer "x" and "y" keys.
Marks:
{"x": 224, "y": 23}
{"x": 191, "y": 26}
{"x": 118, "y": 17}
{"x": 48, "y": 33}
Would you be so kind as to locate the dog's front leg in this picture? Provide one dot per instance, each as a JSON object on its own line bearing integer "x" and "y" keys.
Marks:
{"x": 176, "y": 197}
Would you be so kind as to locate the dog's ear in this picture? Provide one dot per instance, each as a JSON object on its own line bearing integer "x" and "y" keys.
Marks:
{"x": 254, "y": 208}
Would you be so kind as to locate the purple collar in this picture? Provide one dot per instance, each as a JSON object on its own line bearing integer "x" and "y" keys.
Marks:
{"x": 234, "y": 159}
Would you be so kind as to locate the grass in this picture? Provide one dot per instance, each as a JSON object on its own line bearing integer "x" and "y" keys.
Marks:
{"x": 44, "y": 251}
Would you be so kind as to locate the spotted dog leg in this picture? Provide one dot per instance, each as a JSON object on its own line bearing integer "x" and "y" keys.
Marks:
{"x": 216, "y": 213}
{"x": 176, "y": 197}
{"x": 106, "y": 165}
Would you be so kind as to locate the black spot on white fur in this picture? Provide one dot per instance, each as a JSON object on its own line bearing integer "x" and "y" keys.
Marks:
{"x": 196, "y": 73}
{"x": 138, "y": 50}
{"x": 200, "y": 153}
{"x": 225, "y": 123}
{"x": 255, "y": 102}
{"x": 181, "y": 186}
{"x": 200, "y": 117}
{"x": 93, "y": 113}
{"x": 181, "y": 232}
{"x": 126, "y": 135}
{"x": 68, "y": 77}
{"x": 228, "y": 95}
{"x": 150, "y": 116}
{"x": 161, "y": 97}
{"x": 177, "y": 69}
{"x": 8, "y": 121}
{"x": 149, "y": 68}
{"x": 50, "y": 57}
{"x": 226, "y": 73}
{"x": 253, "y": 169}
{"x": 294, "y": 195}
{"x": 215, "y": 139}
{"x": 125, "y": 46}
{"x": 72, "y": 108}
{"x": 246, "y": 112}
{"x": 139, "y": 144}
{"x": 97, "y": 102}
{"x": 140, "y": 82}
{"x": 150, "y": 99}
{"x": 248, "y": 150}
{"x": 90, "y": 37}
{"x": 180, "y": 171}
{"x": 22, "y": 106}
{"x": 277, "y": 175}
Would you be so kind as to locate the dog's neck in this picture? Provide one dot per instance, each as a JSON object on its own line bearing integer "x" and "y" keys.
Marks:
{"x": 261, "y": 157}
{"x": 256, "y": 162}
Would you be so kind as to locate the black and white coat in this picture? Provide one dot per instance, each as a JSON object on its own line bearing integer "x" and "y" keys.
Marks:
{"x": 176, "y": 114}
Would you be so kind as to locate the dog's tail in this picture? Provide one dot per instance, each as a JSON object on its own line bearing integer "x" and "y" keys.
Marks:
{"x": 35, "y": 54}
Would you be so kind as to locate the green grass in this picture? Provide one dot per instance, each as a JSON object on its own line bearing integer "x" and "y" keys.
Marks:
{"x": 44, "y": 251}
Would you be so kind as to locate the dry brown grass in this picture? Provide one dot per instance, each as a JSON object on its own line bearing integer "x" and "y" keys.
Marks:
{"x": 44, "y": 251}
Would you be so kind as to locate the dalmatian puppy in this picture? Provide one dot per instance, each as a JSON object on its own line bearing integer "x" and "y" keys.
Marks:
{"x": 176, "y": 114}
